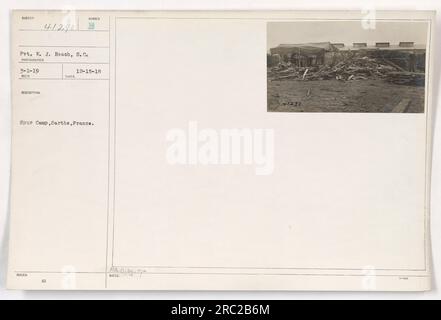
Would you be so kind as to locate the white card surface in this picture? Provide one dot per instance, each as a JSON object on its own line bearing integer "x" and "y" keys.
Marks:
{"x": 221, "y": 150}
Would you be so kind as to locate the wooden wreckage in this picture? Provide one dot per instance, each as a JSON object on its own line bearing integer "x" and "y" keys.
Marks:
{"x": 403, "y": 64}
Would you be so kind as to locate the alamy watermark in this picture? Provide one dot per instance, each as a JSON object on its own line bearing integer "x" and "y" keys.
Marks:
{"x": 369, "y": 20}
{"x": 68, "y": 279}
{"x": 369, "y": 279}
{"x": 207, "y": 146}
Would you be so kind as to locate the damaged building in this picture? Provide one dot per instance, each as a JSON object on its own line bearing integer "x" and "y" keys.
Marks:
{"x": 304, "y": 55}
{"x": 407, "y": 56}
{"x": 402, "y": 63}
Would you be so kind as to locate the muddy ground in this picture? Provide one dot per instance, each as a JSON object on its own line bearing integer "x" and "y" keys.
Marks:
{"x": 343, "y": 96}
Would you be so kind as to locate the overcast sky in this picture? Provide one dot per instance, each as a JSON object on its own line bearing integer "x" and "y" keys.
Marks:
{"x": 346, "y": 32}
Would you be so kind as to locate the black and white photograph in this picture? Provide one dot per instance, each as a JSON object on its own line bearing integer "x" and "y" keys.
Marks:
{"x": 346, "y": 66}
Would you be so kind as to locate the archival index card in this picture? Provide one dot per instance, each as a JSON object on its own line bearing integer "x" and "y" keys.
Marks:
{"x": 221, "y": 150}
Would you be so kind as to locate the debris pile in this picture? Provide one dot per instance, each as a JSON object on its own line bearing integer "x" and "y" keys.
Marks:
{"x": 354, "y": 67}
